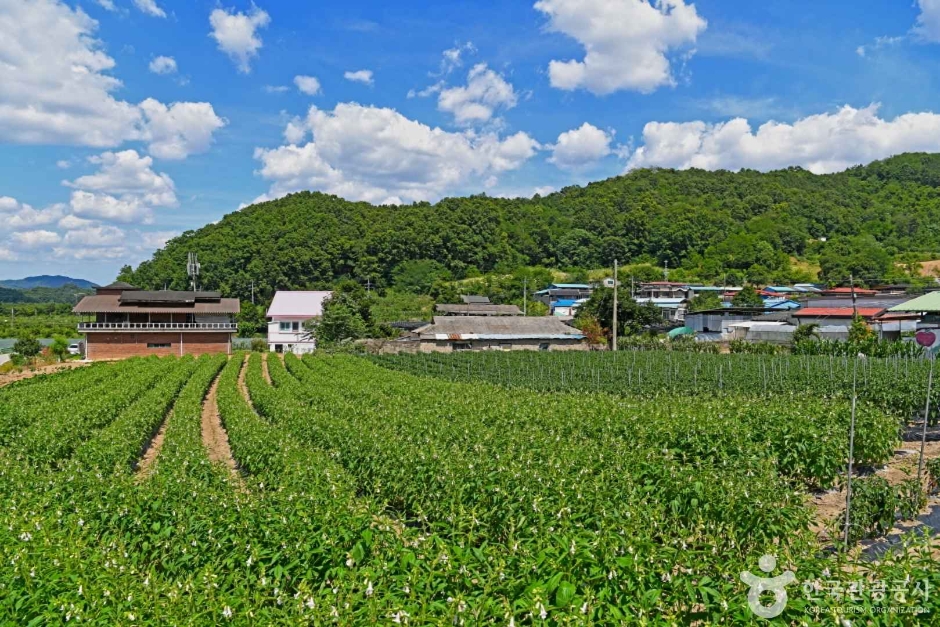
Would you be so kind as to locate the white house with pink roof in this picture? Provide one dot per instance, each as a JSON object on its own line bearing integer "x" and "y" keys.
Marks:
{"x": 287, "y": 315}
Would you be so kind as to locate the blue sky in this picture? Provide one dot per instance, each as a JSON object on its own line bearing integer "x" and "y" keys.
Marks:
{"x": 125, "y": 122}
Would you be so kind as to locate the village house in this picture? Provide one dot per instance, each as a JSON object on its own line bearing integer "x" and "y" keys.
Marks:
{"x": 477, "y": 306}
{"x": 563, "y": 291}
{"x": 671, "y": 309}
{"x": 120, "y": 320}
{"x": 456, "y": 333}
{"x": 665, "y": 289}
{"x": 288, "y": 315}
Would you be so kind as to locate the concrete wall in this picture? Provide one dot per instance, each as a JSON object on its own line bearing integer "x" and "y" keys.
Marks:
{"x": 124, "y": 345}
{"x": 447, "y": 346}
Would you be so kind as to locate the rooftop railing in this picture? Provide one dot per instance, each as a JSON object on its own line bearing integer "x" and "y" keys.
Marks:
{"x": 157, "y": 326}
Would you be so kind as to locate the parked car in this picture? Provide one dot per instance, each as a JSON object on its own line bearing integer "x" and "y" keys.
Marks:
{"x": 75, "y": 349}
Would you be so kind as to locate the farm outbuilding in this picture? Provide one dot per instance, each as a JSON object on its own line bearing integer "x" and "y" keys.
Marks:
{"x": 447, "y": 334}
{"x": 477, "y": 309}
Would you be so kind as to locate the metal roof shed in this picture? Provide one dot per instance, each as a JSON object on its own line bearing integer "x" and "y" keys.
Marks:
{"x": 928, "y": 303}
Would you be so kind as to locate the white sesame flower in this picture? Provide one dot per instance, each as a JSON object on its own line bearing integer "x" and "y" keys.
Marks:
{"x": 227, "y": 612}
{"x": 368, "y": 588}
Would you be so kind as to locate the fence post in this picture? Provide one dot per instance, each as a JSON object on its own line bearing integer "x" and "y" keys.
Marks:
{"x": 923, "y": 436}
{"x": 848, "y": 482}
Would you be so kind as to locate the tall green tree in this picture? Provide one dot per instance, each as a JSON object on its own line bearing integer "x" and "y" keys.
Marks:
{"x": 59, "y": 347}
{"x": 27, "y": 347}
{"x": 631, "y": 316}
{"x": 705, "y": 300}
{"x": 747, "y": 297}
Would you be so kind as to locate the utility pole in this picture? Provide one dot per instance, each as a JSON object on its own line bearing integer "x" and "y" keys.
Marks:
{"x": 666, "y": 271}
{"x": 615, "y": 304}
{"x": 854, "y": 301}
{"x": 525, "y": 296}
{"x": 252, "y": 292}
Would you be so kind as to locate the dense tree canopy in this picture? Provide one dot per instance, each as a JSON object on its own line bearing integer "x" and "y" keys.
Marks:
{"x": 715, "y": 226}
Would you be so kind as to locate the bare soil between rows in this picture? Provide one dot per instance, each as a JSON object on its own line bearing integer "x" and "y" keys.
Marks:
{"x": 214, "y": 437}
{"x": 830, "y": 505}
{"x": 147, "y": 463}
{"x": 13, "y": 377}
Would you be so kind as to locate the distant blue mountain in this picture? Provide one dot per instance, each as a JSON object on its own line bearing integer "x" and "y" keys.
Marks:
{"x": 45, "y": 280}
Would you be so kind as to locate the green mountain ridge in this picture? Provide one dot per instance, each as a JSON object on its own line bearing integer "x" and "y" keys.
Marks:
{"x": 46, "y": 280}
{"x": 711, "y": 225}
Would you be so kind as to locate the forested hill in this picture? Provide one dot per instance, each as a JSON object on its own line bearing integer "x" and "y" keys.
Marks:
{"x": 721, "y": 225}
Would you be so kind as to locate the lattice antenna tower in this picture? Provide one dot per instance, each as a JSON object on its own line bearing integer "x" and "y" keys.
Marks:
{"x": 192, "y": 269}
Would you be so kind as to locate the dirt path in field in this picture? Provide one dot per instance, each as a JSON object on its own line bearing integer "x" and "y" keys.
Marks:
{"x": 145, "y": 466}
{"x": 830, "y": 505}
{"x": 242, "y": 386}
{"x": 213, "y": 433}
{"x": 264, "y": 368}
{"x": 7, "y": 379}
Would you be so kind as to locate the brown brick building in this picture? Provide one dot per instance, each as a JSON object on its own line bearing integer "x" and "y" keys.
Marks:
{"x": 122, "y": 321}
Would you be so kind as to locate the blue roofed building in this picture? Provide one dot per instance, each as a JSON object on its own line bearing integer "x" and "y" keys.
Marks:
{"x": 563, "y": 291}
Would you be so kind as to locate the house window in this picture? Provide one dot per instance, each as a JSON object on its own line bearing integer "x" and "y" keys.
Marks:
{"x": 156, "y": 345}
{"x": 288, "y": 327}
{"x": 461, "y": 346}
{"x": 543, "y": 346}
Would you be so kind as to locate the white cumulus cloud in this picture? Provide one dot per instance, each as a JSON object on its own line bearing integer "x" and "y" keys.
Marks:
{"x": 163, "y": 65}
{"x": 827, "y": 142}
{"x": 236, "y": 34}
{"x": 378, "y": 155}
{"x": 359, "y": 76}
{"x": 124, "y": 189}
{"x": 309, "y": 85}
{"x": 581, "y": 147}
{"x": 928, "y": 22}
{"x": 485, "y": 92}
{"x": 626, "y": 42}
{"x": 127, "y": 172}
{"x": 178, "y": 130}
{"x": 95, "y": 236}
{"x": 56, "y": 87}
{"x": 35, "y": 239}
{"x": 150, "y": 7}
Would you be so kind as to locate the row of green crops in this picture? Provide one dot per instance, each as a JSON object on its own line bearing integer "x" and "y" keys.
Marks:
{"x": 556, "y": 489}
{"x": 367, "y": 496}
{"x": 897, "y": 385}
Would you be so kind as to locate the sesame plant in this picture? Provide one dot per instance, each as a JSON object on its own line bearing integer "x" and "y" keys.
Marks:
{"x": 366, "y": 495}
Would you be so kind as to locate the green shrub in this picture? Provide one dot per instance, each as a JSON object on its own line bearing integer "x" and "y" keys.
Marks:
{"x": 911, "y": 498}
{"x": 933, "y": 475}
{"x": 874, "y": 503}
{"x": 259, "y": 345}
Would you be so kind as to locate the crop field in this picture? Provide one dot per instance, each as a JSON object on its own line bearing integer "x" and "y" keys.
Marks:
{"x": 347, "y": 492}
